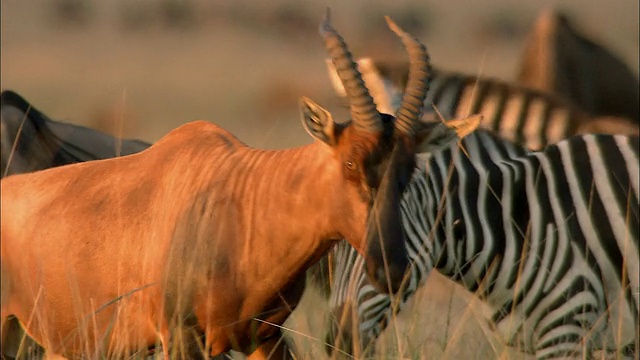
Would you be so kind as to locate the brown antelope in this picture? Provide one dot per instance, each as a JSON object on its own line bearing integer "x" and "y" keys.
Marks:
{"x": 201, "y": 232}
{"x": 558, "y": 58}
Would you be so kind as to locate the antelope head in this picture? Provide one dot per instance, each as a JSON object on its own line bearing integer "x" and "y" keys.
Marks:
{"x": 377, "y": 156}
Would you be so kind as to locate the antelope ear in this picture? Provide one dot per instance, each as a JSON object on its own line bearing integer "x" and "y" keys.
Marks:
{"x": 434, "y": 136}
{"x": 317, "y": 121}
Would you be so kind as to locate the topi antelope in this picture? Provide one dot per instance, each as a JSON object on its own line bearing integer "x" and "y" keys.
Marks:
{"x": 201, "y": 232}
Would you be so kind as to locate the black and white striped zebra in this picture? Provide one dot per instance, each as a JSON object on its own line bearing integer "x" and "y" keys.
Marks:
{"x": 527, "y": 116}
{"x": 548, "y": 239}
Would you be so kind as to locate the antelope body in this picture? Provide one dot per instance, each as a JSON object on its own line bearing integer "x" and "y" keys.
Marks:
{"x": 176, "y": 237}
{"x": 200, "y": 234}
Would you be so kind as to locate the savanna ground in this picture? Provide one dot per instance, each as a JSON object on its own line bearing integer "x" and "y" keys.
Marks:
{"x": 141, "y": 68}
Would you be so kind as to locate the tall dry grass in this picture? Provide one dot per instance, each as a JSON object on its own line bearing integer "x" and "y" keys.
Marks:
{"x": 170, "y": 65}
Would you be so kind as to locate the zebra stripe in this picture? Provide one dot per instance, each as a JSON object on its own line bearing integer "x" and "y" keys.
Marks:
{"x": 548, "y": 239}
{"x": 525, "y": 116}
{"x": 519, "y": 114}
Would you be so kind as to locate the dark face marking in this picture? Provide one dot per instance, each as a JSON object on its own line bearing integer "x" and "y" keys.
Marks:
{"x": 385, "y": 234}
{"x": 380, "y": 166}
{"x": 367, "y": 157}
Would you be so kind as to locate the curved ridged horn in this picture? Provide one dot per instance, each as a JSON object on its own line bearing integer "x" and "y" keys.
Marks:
{"x": 408, "y": 114}
{"x": 364, "y": 113}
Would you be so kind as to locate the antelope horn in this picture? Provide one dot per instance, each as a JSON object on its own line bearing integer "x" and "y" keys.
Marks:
{"x": 408, "y": 114}
{"x": 364, "y": 113}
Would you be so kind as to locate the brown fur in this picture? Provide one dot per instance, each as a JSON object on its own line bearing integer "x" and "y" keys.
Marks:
{"x": 110, "y": 255}
{"x": 32, "y": 141}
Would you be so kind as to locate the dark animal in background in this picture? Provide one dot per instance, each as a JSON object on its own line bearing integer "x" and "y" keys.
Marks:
{"x": 31, "y": 141}
{"x": 560, "y": 58}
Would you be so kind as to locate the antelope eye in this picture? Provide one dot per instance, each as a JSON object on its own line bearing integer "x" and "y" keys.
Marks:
{"x": 350, "y": 165}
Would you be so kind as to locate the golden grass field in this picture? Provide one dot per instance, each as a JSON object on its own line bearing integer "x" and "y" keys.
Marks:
{"x": 140, "y": 68}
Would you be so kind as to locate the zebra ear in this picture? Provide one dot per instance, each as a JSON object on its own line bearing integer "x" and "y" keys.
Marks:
{"x": 317, "y": 121}
{"x": 434, "y": 136}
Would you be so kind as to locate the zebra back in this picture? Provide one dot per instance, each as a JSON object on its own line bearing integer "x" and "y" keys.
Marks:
{"x": 522, "y": 115}
{"x": 516, "y": 113}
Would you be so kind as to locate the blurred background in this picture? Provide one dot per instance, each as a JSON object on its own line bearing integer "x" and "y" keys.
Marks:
{"x": 143, "y": 67}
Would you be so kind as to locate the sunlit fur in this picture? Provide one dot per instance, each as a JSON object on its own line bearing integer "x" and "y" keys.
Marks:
{"x": 548, "y": 239}
{"x": 32, "y": 141}
{"x": 198, "y": 228}
{"x": 525, "y": 116}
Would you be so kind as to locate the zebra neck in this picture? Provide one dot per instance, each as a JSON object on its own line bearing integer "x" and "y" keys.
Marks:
{"x": 460, "y": 203}
{"x": 464, "y": 258}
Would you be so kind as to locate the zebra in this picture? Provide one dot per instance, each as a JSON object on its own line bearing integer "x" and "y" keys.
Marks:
{"x": 552, "y": 271}
{"x": 527, "y": 116}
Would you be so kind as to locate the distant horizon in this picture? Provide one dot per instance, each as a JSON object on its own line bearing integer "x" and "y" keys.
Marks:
{"x": 243, "y": 65}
